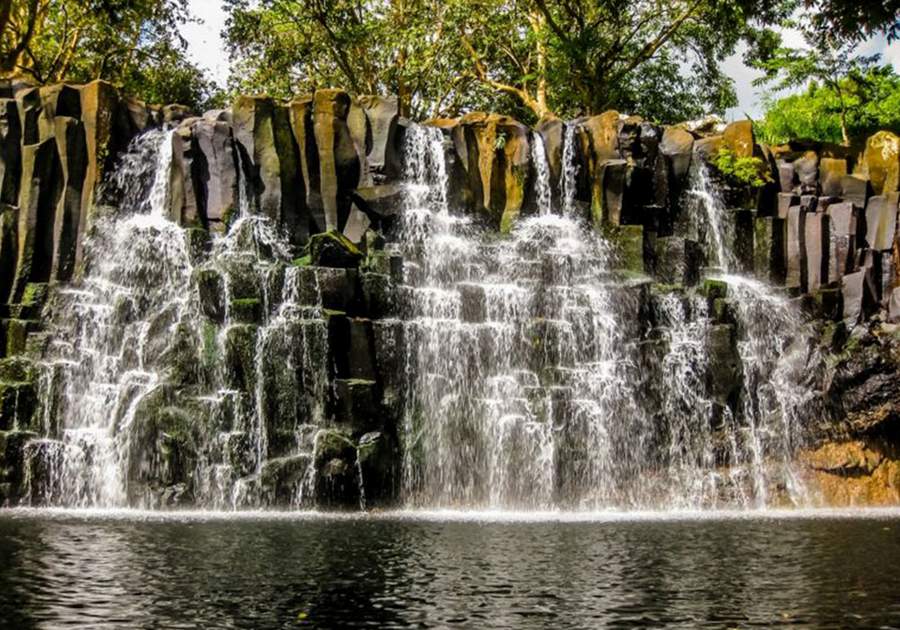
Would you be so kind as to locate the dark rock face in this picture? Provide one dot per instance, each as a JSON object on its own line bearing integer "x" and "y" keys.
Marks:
{"x": 327, "y": 171}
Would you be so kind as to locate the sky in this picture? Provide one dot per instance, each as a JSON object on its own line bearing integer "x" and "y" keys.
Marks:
{"x": 206, "y": 48}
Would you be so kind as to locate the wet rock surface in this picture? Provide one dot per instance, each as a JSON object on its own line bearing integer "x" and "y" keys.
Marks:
{"x": 282, "y": 329}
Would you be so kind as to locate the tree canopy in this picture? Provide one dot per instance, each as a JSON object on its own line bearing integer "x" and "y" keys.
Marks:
{"x": 133, "y": 43}
{"x": 660, "y": 58}
{"x": 870, "y": 101}
{"x": 570, "y": 57}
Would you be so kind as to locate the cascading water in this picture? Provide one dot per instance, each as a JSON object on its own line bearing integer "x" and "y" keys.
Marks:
{"x": 537, "y": 375}
{"x": 706, "y": 210}
{"x": 161, "y": 367}
{"x": 569, "y": 172}
{"x": 542, "y": 174}
{"x": 533, "y": 383}
{"x": 103, "y": 350}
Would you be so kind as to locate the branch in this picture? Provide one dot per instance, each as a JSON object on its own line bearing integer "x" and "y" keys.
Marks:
{"x": 482, "y": 75}
{"x": 651, "y": 47}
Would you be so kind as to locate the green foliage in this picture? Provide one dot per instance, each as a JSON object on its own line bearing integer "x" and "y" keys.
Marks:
{"x": 662, "y": 58}
{"x": 829, "y": 61}
{"x": 133, "y": 44}
{"x": 871, "y": 102}
{"x": 500, "y": 141}
{"x": 750, "y": 171}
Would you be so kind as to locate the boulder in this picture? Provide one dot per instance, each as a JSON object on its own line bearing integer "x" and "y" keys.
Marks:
{"x": 815, "y": 251}
{"x": 706, "y": 148}
{"x": 337, "y": 479}
{"x": 881, "y": 221}
{"x": 339, "y": 164}
{"x": 787, "y": 177}
{"x": 10, "y": 156}
{"x": 880, "y": 162}
{"x": 333, "y": 288}
{"x": 738, "y": 138}
{"x": 676, "y": 260}
{"x": 356, "y": 405}
{"x": 361, "y": 133}
{"x": 806, "y": 168}
{"x": 333, "y": 249}
{"x": 831, "y": 174}
{"x": 784, "y": 203}
{"x": 848, "y": 458}
{"x": 856, "y": 190}
{"x": 552, "y": 130}
{"x": 282, "y": 479}
{"x": 383, "y": 113}
{"x": 109, "y": 127}
{"x": 498, "y": 163}
{"x": 842, "y": 239}
{"x": 796, "y": 231}
{"x": 859, "y": 296}
{"x": 768, "y": 249}
{"x": 609, "y": 193}
{"x": 9, "y": 246}
{"x": 379, "y": 469}
{"x": 215, "y": 172}
{"x": 723, "y": 376}
{"x": 72, "y": 150}
{"x": 40, "y": 196}
{"x": 677, "y": 146}
{"x": 268, "y": 155}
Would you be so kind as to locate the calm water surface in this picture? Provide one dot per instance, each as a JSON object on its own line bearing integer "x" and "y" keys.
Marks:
{"x": 133, "y": 570}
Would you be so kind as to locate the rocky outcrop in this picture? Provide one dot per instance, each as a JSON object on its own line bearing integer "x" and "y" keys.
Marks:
{"x": 326, "y": 170}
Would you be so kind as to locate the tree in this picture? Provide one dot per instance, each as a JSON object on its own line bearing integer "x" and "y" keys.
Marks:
{"x": 827, "y": 59}
{"x": 405, "y": 47}
{"x": 133, "y": 43}
{"x": 855, "y": 20}
{"x": 531, "y": 57}
{"x": 871, "y": 102}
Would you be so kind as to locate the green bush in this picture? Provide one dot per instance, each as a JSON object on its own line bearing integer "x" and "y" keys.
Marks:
{"x": 750, "y": 171}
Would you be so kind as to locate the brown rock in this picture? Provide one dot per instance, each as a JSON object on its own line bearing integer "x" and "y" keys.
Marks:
{"x": 738, "y": 137}
{"x": 880, "y": 162}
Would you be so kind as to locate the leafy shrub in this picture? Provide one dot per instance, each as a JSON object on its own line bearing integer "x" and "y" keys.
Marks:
{"x": 750, "y": 171}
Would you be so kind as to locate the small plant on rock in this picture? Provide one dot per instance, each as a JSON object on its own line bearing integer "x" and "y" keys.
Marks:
{"x": 749, "y": 171}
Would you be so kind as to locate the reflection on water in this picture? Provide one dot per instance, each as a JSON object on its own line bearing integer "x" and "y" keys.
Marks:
{"x": 76, "y": 570}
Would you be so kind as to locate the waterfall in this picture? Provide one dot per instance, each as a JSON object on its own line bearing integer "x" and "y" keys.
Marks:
{"x": 542, "y": 174}
{"x": 536, "y": 374}
{"x": 160, "y": 366}
{"x": 104, "y": 350}
{"x": 773, "y": 344}
{"x": 533, "y": 382}
{"x": 714, "y": 222}
{"x": 569, "y": 171}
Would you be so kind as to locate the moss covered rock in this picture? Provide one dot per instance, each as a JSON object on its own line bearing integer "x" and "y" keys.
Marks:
{"x": 333, "y": 249}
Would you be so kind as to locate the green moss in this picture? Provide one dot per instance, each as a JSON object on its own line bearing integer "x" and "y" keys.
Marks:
{"x": 661, "y": 287}
{"x": 714, "y": 289}
{"x": 628, "y": 244}
{"x": 16, "y": 336}
{"x": 35, "y": 293}
{"x": 500, "y": 141}
{"x": 303, "y": 261}
{"x": 228, "y": 216}
{"x": 338, "y": 238}
{"x": 210, "y": 352}
{"x": 720, "y": 310}
{"x": 749, "y": 171}
{"x": 245, "y": 310}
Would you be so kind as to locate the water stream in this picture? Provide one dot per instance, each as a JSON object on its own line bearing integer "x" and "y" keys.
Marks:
{"x": 537, "y": 375}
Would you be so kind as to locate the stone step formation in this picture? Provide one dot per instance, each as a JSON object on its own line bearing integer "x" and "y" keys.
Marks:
{"x": 322, "y": 304}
